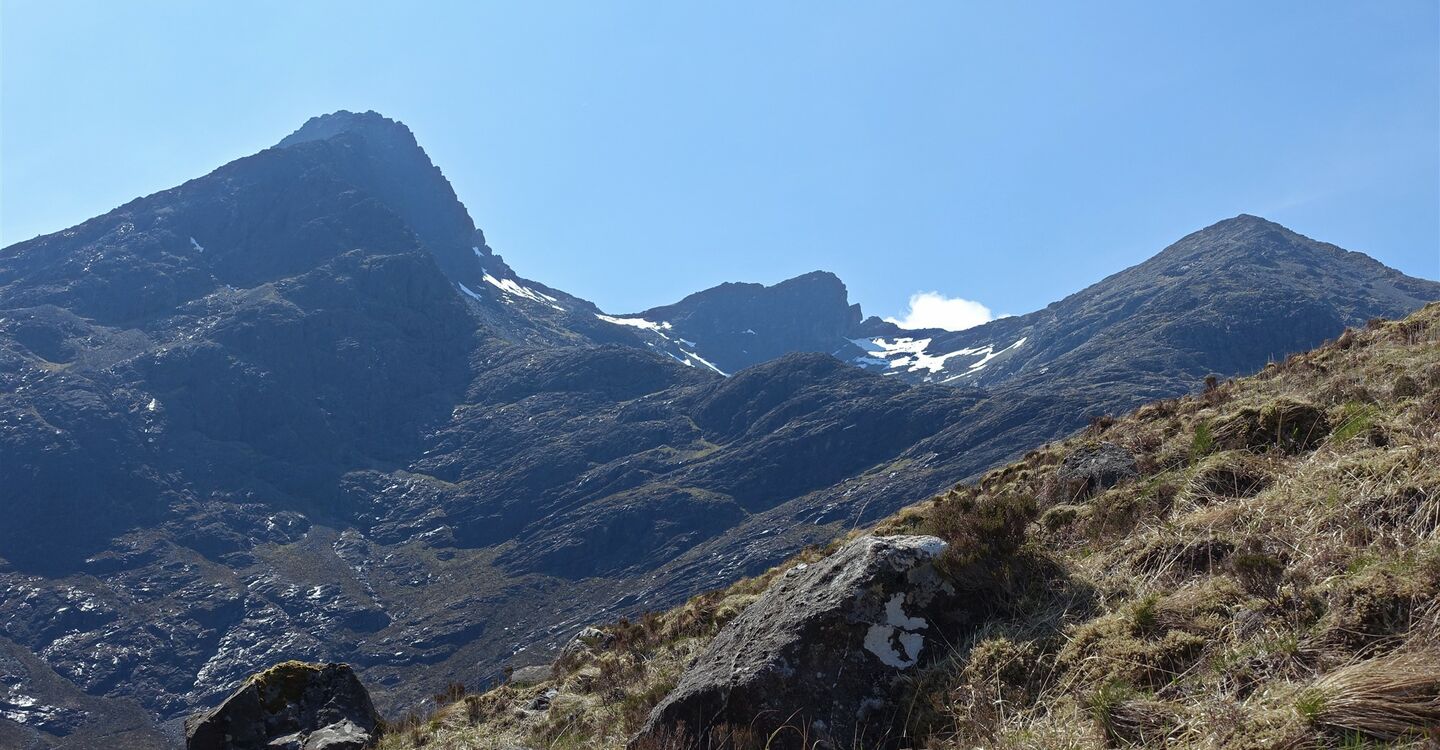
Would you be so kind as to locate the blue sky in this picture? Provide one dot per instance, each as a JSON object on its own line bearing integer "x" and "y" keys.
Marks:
{"x": 1002, "y": 153}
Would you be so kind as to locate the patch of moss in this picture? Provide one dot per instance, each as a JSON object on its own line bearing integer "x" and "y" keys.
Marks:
{"x": 283, "y": 684}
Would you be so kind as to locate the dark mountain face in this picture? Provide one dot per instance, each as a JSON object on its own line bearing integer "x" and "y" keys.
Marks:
{"x": 1224, "y": 300}
{"x": 296, "y": 408}
{"x": 733, "y": 326}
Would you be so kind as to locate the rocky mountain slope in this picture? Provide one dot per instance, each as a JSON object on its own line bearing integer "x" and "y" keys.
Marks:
{"x": 1254, "y": 566}
{"x": 296, "y": 408}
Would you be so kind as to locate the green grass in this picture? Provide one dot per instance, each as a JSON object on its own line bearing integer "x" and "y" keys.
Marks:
{"x": 1355, "y": 420}
{"x": 1203, "y": 442}
{"x": 1310, "y": 705}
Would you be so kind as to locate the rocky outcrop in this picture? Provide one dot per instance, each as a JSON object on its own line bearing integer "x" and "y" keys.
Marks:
{"x": 293, "y": 705}
{"x": 815, "y": 661}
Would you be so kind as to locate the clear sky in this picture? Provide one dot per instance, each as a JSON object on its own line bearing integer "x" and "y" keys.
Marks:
{"x": 1002, "y": 153}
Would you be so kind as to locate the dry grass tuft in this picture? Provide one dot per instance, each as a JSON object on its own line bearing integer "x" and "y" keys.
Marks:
{"x": 1389, "y": 698}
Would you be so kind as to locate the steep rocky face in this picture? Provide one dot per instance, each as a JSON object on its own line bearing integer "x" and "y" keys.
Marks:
{"x": 162, "y": 337}
{"x": 733, "y": 326}
{"x": 381, "y": 157}
{"x": 278, "y": 412}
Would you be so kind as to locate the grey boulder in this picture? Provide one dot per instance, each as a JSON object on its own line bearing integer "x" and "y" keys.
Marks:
{"x": 294, "y": 706}
{"x": 1092, "y": 468}
{"x": 817, "y": 660}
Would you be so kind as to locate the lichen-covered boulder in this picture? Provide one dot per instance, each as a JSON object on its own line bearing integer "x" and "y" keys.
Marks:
{"x": 816, "y": 660}
{"x": 1092, "y": 468}
{"x": 294, "y": 706}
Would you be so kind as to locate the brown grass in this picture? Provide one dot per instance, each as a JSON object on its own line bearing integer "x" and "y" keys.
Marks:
{"x": 1388, "y": 698}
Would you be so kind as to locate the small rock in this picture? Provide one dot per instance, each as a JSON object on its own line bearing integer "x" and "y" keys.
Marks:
{"x": 587, "y": 640}
{"x": 542, "y": 701}
{"x": 533, "y": 675}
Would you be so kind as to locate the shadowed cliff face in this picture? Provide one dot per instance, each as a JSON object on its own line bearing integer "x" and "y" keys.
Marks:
{"x": 297, "y": 408}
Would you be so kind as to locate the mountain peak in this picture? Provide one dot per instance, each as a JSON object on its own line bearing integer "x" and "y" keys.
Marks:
{"x": 1247, "y": 223}
{"x": 382, "y": 157}
{"x": 368, "y": 124}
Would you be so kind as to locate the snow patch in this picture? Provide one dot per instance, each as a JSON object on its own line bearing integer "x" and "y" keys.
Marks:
{"x": 509, "y": 286}
{"x": 906, "y": 352}
{"x": 701, "y": 360}
{"x": 913, "y": 355}
{"x": 988, "y": 353}
{"x": 685, "y": 357}
{"x": 636, "y": 323}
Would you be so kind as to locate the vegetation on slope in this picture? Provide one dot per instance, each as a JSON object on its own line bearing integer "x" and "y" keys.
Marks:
{"x": 1263, "y": 572}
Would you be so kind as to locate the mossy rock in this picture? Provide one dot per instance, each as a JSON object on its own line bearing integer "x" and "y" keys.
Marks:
{"x": 1005, "y": 664}
{"x": 1232, "y": 474}
{"x": 1113, "y": 649}
{"x": 290, "y": 699}
{"x": 1286, "y": 425}
{"x": 283, "y": 684}
{"x": 1061, "y": 516}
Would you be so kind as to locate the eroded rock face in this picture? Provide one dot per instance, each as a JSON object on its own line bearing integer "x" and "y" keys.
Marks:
{"x": 292, "y": 705}
{"x": 818, "y": 657}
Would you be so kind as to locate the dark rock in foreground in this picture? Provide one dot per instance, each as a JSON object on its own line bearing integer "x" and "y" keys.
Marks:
{"x": 1092, "y": 469}
{"x": 292, "y": 705}
{"x": 815, "y": 661}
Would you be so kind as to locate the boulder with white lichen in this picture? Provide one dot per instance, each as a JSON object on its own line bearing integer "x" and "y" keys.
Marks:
{"x": 816, "y": 661}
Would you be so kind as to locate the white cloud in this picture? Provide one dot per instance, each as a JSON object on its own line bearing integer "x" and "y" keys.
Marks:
{"x": 935, "y": 310}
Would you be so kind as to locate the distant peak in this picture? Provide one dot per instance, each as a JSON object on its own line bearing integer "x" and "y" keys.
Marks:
{"x": 816, "y": 277}
{"x": 368, "y": 124}
{"x": 1244, "y": 221}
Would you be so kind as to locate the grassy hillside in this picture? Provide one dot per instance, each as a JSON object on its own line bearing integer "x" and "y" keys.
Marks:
{"x": 1265, "y": 576}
